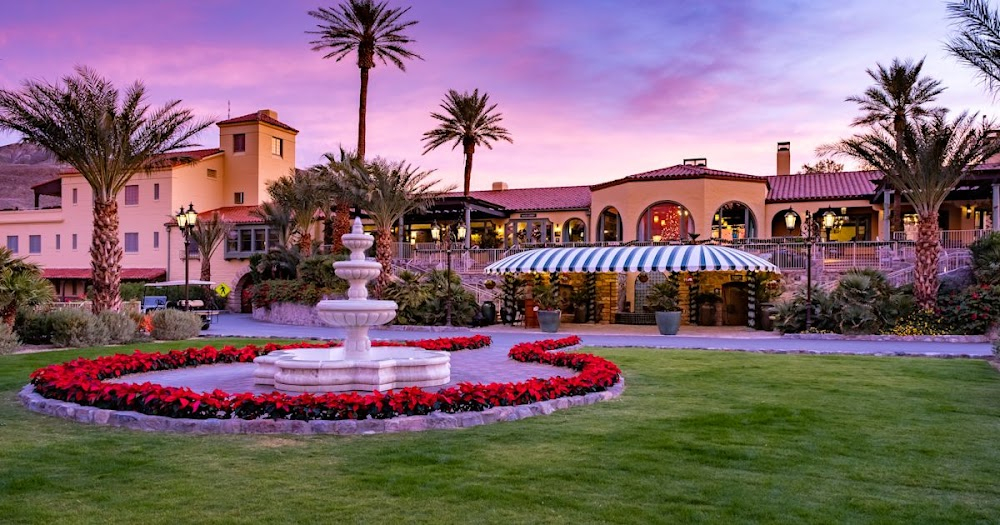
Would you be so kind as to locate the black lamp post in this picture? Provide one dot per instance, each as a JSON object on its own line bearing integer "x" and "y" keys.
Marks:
{"x": 186, "y": 221}
{"x": 449, "y": 236}
{"x": 809, "y": 233}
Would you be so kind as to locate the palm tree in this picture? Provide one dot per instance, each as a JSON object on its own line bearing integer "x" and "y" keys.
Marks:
{"x": 977, "y": 43}
{"x": 372, "y": 30}
{"x": 388, "y": 191}
{"x": 208, "y": 235}
{"x": 925, "y": 167}
{"x": 279, "y": 220}
{"x": 106, "y": 135}
{"x": 470, "y": 120}
{"x": 21, "y": 284}
{"x": 898, "y": 96}
{"x": 303, "y": 193}
{"x": 332, "y": 174}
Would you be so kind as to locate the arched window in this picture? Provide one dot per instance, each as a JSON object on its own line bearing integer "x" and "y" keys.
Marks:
{"x": 575, "y": 230}
{"x": 734, "y": 220}
{"x": 665, "y": 221}
{"x": 779, "y": 224}
{"x": 609, "y": 227}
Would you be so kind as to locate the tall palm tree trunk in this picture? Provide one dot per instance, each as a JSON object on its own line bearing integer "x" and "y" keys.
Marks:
{"x": 106, "y": 257}
{"x": 925, "y": 270}
{"x": 206, "y": 268}
{"x": 470, "y": 150}
{"x": 362, "y": 112}
{"x": 305, "y": 244}
{"x": 341, "y": 225}
{"x": 383, "y": 254}
{"x": 899, "y": 126}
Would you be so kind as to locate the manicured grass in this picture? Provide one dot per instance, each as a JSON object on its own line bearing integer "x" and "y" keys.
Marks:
{"x": 698, "y": 436}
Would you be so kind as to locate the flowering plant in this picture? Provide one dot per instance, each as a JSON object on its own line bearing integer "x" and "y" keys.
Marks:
{"x": 82, "y": 381}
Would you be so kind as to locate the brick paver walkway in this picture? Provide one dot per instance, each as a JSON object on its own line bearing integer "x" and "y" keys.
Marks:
{"x": 486, "y": 365}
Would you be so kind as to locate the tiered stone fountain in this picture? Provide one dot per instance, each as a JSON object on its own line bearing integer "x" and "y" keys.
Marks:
{"x": 356, "y": 365}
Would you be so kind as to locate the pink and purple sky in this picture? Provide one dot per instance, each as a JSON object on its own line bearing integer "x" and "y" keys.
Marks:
{"x": 591, "y": 90}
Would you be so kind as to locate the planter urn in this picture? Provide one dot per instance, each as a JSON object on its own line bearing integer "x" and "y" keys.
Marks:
{"x": 548, "y": 320}
{"x": 668, "y": 322}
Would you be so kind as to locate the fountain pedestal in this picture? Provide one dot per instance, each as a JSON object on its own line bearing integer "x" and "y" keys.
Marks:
{"x": 356, "y": 365}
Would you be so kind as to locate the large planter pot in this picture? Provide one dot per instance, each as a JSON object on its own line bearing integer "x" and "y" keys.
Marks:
{"x": 548, "y": 320}
{"x": 580, "y": 315}
{"x": 668, "y": 322}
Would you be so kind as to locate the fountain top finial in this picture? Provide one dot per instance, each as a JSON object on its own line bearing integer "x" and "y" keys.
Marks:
{"x": 357, "y": 228}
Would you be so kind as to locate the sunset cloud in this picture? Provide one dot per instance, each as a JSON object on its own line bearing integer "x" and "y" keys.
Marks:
{"x": 591, "y": 90}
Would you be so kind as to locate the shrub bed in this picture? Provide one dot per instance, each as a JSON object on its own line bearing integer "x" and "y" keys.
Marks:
{"x": 81, "y": 381}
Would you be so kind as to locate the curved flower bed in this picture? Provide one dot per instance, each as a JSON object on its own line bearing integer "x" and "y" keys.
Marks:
{"x": 81, "y": 381}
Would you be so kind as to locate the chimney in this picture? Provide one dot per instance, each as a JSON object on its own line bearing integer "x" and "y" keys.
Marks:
{"x": 700, "y": 161}
{"x": 784, "y": 158}
{"x": 992, "y": 135}
{"x": 269, "y": 112}
{"x": 499, "y": 186}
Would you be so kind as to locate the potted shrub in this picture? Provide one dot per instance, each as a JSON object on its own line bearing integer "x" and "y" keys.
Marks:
{"x": 662, "y": 297}
{"x": 707, "y": 302}
{"x": 580, "y": 299}
{"x": 547, "y": 303}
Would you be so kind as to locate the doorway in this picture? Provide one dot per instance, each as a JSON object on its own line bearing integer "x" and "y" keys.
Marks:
{"x": 735, "y": 304}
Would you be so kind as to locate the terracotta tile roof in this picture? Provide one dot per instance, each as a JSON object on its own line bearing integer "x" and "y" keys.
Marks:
{"x": 819, "y": 186}
{"x": 536, "y": 199}
{"x": 174, "y": 158}
{"x": 682, "y": 171}
{"x": 258, "y": 116}
{"x": 137, "y": 274}
{"x": 232, "y": 215}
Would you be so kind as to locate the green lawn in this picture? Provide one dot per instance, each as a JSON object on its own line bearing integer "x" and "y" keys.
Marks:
{"x": 717, "y": 437}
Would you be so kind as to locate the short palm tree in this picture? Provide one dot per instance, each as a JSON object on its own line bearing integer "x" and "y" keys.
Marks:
{"x": 303, "y": 193}
{"x": 106, "y": 135}
{"x": 388, "y": 191}
{"x": 977, "y": 43}
{"x": 332, "y": 174}
{"x": 278, "y": 219}
{"x": 468, "y": 120}
{"x": 209, "y": 235}
{"x": 932, "y": 159}
{"x": 900, "y": 95}
{"x": 21, "y": 284}
{"x": 373, "y": 31}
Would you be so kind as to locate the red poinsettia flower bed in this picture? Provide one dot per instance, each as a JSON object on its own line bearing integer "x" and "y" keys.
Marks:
{"x": 81, "y": 381}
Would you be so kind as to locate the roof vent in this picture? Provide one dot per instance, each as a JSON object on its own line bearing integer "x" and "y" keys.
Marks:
{"x": 499, "y": 186}
{"x": 700, "y": 161}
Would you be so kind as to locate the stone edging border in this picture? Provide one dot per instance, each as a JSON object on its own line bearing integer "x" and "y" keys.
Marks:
{"x": 434, "y": 421}
{"x": 918, "y": 338}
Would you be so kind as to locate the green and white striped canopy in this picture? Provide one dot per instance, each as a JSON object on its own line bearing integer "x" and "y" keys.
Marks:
{"x": 664, "y": 258}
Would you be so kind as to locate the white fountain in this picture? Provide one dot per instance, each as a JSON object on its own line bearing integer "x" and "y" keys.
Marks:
{"x": 356, "y": 365}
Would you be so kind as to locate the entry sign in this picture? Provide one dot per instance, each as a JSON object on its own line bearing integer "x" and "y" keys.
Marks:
{"x": 223, "y": 290}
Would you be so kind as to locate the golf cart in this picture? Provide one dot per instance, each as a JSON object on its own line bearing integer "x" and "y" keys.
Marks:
{"x": 152, "y": 303}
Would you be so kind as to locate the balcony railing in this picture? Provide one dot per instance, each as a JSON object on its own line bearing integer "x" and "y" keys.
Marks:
{"x": 950, "y": 239}
{"x": 788, "y": 253}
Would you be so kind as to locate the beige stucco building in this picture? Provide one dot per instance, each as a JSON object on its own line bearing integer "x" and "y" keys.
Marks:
{"x": 681, "y": 203}
{"x": 253, "y": 149}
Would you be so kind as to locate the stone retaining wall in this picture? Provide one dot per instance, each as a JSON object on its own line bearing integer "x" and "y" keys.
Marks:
{"x": 436, "y": 420}
{"x": 920, "y": 338}
{"x": 289, "y": 313}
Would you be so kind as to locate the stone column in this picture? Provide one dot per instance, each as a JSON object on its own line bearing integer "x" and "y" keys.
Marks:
{"x": 996, "y": 208}
{"x": 886, "y": 210}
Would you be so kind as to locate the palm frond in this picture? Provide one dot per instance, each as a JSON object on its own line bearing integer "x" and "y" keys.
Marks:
{"x": 371, "y": 29}
{"x": 977, "y": 42}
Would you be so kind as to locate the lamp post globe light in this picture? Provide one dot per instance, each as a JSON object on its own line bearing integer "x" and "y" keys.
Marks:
{"x": 186, "y": 220}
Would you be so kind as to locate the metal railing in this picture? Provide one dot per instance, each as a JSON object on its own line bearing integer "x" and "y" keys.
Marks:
{"x": 950, "y": 239}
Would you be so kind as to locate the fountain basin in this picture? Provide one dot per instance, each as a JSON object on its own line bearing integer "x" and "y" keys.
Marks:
{"x": 356, "y": 313}
{"x": 338, "y": 370}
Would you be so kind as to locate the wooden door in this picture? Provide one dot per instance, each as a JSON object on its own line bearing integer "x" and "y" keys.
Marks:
{"x": 735, "y": 304}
